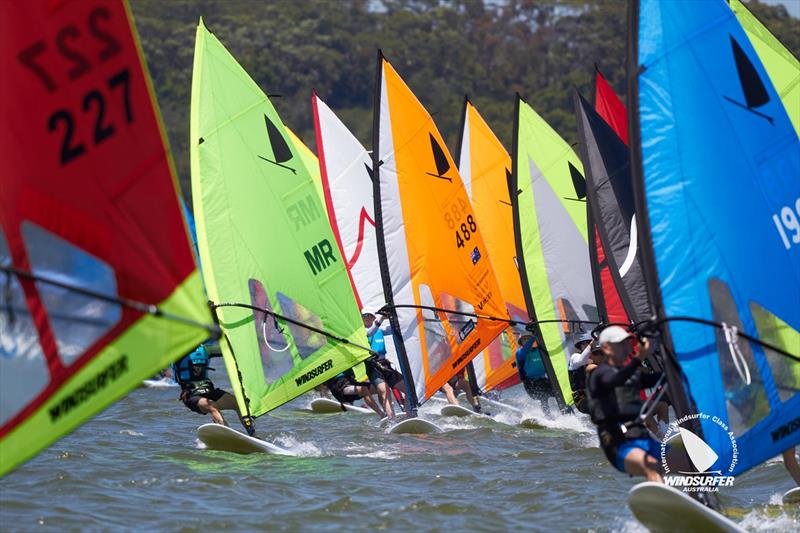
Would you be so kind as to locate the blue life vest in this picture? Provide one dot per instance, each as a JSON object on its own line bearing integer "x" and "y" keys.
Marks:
{"x": 377, "y": 343}
{"x": 192, "y": 367}
{"x": 529, "y": 362}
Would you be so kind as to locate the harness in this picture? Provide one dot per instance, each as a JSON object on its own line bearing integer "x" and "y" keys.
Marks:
{"x": 618, "y": 417}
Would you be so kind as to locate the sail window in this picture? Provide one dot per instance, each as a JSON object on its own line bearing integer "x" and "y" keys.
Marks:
{"x": 773, "y": 330}
{"x": 462, "y": 326}
{"x": 745, "y": 396}
{"x": 23, "y": 369}
{"x": 77, "y": 321}
{"x": 436, "y": 343}
{"x": 273, "y": 345}
{"x": 307, "y": 341}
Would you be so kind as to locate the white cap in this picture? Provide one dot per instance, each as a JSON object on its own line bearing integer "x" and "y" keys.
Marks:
{"x": 613, "y": 335}
{"x": 367, "y": 311}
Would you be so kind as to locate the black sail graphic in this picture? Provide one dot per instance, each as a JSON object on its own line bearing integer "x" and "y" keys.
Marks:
{"x": 280, "y": 150}
{"x": 609, "y": 193}
{"x": 578, "y": 181}
{"x": 755, "y": 94}
{"x": 442, "y": 166}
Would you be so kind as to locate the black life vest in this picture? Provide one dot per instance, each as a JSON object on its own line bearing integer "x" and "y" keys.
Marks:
{"x": 623, "y": 404}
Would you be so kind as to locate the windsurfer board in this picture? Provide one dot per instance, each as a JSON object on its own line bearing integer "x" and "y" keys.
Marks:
{"x": 327, "y": 406}
{"x": 457, "y": 410}
{"x": 660, "y": 508}
{"x": 416, "y": 426}
{"x": 792, "y": 497}
{"x": 223, "y": 438}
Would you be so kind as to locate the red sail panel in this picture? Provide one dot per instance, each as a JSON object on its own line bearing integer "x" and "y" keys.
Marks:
{"x": 87, "y": 198}
{"x": 610, "y": 107}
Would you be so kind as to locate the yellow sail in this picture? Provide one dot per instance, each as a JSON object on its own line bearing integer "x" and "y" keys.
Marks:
{"x": 485, "y": 166}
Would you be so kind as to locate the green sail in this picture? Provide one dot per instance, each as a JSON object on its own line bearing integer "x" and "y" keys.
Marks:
{"x": 548, "y": 198}
{"x": 264, "y": 241}
{"x": 310, "y": 161}
{"x": 782, "y": 66}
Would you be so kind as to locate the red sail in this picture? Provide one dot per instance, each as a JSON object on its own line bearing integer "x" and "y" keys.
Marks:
{"x": 611, "y": 108}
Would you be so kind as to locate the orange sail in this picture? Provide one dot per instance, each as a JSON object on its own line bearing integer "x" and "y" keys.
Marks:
{"x": 430, "y": 244}
{"x": 484, "y": 166}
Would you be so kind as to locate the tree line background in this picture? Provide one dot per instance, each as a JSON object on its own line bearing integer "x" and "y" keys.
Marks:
{"x": 444, "y": 49}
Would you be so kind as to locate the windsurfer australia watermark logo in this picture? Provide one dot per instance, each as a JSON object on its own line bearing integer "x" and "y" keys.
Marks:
{"x": 692, "y": 469}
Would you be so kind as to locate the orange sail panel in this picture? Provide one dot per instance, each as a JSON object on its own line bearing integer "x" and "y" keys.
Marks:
{"x": 430, "y": 243}
{"x": 484, "y": 165}
{"x": 92, "y": 240}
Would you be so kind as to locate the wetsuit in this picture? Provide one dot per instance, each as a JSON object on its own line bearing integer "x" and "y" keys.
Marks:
{"x": 191, "y": 373}
{"x": 615, "y": 404}
{"x": 533, "y": 374}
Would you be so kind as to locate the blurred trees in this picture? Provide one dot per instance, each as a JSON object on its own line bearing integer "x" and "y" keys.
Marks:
{"x": 488, "y": 49}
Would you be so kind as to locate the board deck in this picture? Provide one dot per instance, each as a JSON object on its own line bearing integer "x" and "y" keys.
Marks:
{"x": 458, "y": 410}
{"x": 416, "y": 426}
{"x": 792, "y": 497}
{"x": 660, "y": 508}
{"x": 327, "y": 406}
{"x": 223, "y": 438}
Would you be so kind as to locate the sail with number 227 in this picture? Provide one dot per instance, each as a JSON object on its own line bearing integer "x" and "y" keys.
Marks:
{"x": 270, "y": 262}
{"x": 437, "y": 279}
{"x": 485, "y": 166}
{"x": 100, "y": 286}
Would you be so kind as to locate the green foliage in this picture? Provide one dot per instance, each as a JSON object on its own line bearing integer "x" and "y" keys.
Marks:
{"x": 488, "y": 49}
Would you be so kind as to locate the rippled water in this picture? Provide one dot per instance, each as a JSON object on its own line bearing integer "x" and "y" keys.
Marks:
{"x": 138, "y": 466}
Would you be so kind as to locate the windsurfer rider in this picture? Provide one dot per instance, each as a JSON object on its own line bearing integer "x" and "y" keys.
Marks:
{"x": 346, "y": 389}
{"x": 459, "y": 382}
{"x": 615, "y": 404}
{"x": 379, "y": 370}
{"x": 577, "y": 369}
{"x": 198, "y": 392}
{"x": 532, "y": 372}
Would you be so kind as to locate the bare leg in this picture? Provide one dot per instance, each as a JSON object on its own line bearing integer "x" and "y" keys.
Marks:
{"x": 790, "y": 462}
{"x": 366, "y": 395}
{"x": 639, "y": 463}
{"x": 210, "y": 407}
{"x": 383, "y": 393}
{"x": 448, "y": 391}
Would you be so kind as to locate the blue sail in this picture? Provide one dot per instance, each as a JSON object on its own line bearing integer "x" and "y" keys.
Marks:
{"x": 192, "y": 231}
{"x": 717, "y": 178}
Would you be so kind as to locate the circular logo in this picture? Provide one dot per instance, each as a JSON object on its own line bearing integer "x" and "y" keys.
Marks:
{"x": 690, "y": 462}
